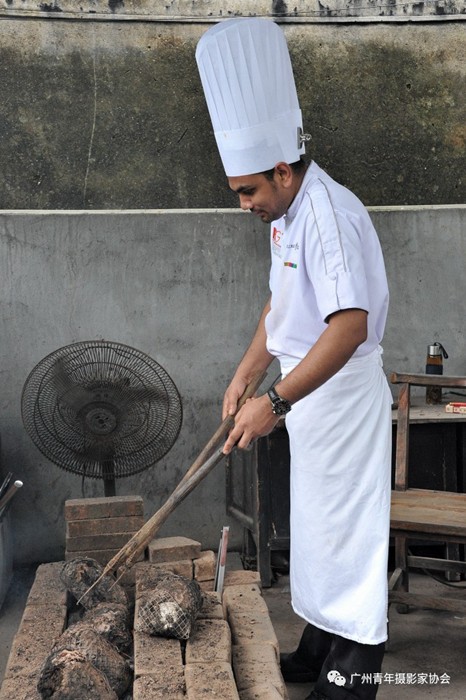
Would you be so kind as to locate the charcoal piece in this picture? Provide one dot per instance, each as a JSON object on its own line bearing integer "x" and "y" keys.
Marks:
{"x": 68, "y": 675}
{"x": 170, "y": 607}
{"x": 79, "y": 574}
{"x": 98, "y": 651}
{"x": 111, "y": 621}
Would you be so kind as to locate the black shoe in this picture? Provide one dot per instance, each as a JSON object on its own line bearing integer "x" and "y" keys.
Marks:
{"x": 354, "y": 663}
{"x": 304, "y": 664}
{"x": 295, "y": 671}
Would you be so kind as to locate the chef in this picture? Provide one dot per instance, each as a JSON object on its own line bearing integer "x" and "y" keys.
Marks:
{"x": 324, "y": 321}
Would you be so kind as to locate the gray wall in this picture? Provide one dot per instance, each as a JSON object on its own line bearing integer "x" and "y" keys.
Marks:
{"x": 186, "y": 287}
{"x": 102, "y": 108}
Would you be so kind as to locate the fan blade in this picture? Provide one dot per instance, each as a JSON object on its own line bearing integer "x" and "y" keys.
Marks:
{"x": 143, "y": 395}
{"x": 73, "y": 395}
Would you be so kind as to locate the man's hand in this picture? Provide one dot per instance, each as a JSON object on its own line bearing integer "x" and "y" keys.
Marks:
{"x": 232, "y": 396}
{"x": 255, "y": 419}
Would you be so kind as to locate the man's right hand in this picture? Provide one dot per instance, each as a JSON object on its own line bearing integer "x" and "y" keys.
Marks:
{"x": 232, "y": 396}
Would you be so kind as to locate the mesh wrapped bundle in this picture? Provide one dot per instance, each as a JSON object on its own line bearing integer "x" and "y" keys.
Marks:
{"x": 69, "y": 675}
{"x": 170, "y": 607}
{"x": 112, "y": 621}
{"x": 79, "y": 574}
{"x": 82, "y": 637}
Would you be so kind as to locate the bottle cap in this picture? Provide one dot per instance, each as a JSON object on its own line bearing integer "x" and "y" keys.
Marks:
{"x": 436, "y": 349}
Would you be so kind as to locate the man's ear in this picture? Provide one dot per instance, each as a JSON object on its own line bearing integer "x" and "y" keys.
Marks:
{"x": 284, "y": 173}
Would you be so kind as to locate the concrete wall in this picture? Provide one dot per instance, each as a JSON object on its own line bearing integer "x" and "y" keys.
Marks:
{"x": 102, "y": 107}
{"x": 186, "y": 287}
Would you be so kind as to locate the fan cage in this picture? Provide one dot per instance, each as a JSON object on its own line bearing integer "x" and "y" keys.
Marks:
{"x": 101, "y": 409}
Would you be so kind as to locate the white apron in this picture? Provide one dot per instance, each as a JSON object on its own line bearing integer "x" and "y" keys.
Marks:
{"x": 340, "y": 443}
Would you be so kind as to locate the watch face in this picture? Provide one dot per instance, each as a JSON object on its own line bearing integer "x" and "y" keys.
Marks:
{"x": 279, "y": 406}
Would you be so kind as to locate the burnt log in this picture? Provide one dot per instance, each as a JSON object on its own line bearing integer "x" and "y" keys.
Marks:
{"x": 170, "y": 607}
{"x": 79, "y": 574}
{"x": 111, "y": 621}
{"x": 68, "y": 675}
{"x": 82, "y": 637}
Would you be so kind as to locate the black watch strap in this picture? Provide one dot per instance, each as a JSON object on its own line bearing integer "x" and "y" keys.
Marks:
{"x": 280, "y": 406}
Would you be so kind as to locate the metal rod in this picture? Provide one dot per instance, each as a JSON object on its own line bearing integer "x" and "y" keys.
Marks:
{"x": 10, "y": 493}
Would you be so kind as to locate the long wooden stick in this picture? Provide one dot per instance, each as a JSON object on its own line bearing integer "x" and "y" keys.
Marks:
{"x": 204, "y": 463}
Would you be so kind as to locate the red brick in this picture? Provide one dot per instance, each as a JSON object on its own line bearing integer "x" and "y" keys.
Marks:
{"x": 47, "y": 585}
{"x": 242, "y": 577}
{"x": 204, "y": 566}
{"x": 31, "y": 646}
{"x": 103, "y": 507}
{"x": 265, "y": 691}
{"x": 255, "y": 664}
{"x": 210, "y": 642}
{"x": 207, "y": 586}
{"x": 104, "y": 526}
{"x": 182, "y": 568}
{"x": 97, "y": 542}
{"x": 45, "y": 614}
{"x": 212, "y": 608}
{"x": 207, "y": 681}
{"x": 244, "y": 597}
{"x": 173, "y": 549}
{"x": 252, "y": 627}
{"x": 158, "y": 657}
{"x": 149, "y": 688}
{"x": 103, "y": 556}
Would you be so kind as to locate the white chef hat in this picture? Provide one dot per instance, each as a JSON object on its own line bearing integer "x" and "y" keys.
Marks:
{"x": 249, "y": 87}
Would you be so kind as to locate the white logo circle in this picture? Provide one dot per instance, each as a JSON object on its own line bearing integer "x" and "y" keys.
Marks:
{"x": 336, "y": 677}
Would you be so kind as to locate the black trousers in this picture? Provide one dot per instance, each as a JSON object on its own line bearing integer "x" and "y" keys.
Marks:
{"x": 348, "y": 670}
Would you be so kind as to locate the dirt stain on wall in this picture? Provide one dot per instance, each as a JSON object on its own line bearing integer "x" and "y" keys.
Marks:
{"x": 115, "y": 117}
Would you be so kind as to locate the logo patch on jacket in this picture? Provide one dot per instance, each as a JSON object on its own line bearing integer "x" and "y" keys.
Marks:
{"x": 276, "y": 241}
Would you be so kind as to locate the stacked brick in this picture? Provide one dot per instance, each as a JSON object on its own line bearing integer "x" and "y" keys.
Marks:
{"x": 255, "y": 652}
{"x": 42, "y": 623}
{"x": 232, "y": 653}
{"x": 99, "y": 527}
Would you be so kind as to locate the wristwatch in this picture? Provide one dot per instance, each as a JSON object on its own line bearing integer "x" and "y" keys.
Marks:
{"x": 280, "y": 406}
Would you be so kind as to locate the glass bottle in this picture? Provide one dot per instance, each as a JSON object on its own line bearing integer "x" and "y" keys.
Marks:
{"x": 434, "y": 365}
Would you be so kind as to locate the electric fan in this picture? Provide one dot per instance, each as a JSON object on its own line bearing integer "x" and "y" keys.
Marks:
{"x": 101, "y": 410}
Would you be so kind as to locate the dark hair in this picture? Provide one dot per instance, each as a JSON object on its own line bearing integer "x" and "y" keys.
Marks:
{"x": 297, "y": 167}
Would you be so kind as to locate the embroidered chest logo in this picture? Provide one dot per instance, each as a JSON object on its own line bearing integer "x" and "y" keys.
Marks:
{"x": 276, "y": 241}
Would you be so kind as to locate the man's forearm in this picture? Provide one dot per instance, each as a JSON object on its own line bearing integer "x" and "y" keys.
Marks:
{"x": 255, "y": 359}
{"x": 337, "y": 344}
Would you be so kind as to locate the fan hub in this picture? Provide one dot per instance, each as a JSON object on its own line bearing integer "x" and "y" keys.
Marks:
{"x": 101, "y": 420}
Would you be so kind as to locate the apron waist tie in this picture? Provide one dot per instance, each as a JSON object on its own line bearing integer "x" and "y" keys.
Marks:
{"x": 288, "y": 364}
